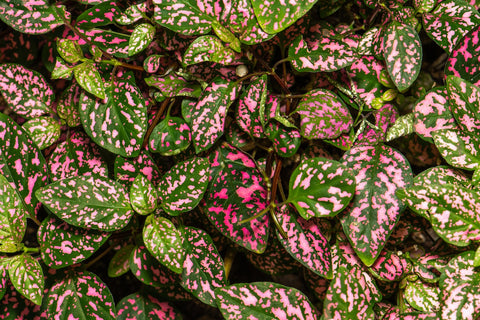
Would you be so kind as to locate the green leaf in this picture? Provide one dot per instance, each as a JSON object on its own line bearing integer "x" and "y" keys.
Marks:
{"x": 89, "y": 79}
{"x": 170, "y": 136}
{"x": 45, "y": 131}
{"x": 142, "y": 36}
{"x": 402, "y": 127}
{"x": 403, "y": 54}
{"x": 460, "y": 149}
{"x": 26, "y": 274}
{"x": 13, "y": 217}
{"x": 69, "y": 50}
{"x": 143, "y": 195}
{"x": 62, "y": 70}
{"x": 183, "y": 186}
{"x": 208, "y": 48}
{"x": 88, "y": 202}
{"x": 320, "y": 187}
{"x": 422, "y": 296}
{"x": 464, "y": 101}
{"x": 120, "y": 263}
{"x": 164, "y": 242}
{"x": 145, "y": 307}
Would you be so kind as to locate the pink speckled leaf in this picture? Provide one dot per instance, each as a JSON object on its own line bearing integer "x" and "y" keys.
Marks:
{"x": 306, "y": 242}
{"x": 142, "y": 36}
{"x": 237, "y": 137}
{"x": 460, "y": 149}
{"x": 264, "y": 300}
{"x": 111, "y": 42}
{"x": 67, "y": 105}
{"x": 21, "y": 162}
{"x": 81, "y": 295}
{"x": 183, "y": 186}
{"x": 172, "y": 85}
{"x": 251, "y": 107}
{"x": 88, "y": 202}
{"x": 323, "y": 115}
{"x": 89, "y": 79}
{"x": 149, "y": 270}
{"x": 99, "y": 15}
{"x": 237, "y": 191}
{"x": 32, "y": 17}
{"x": 78, "y": 155}
{"x": 449, "y": 22}
{"x": 13, "y": 217}
{"x": 44, "y": 131}
{"x": 143, "y": 195}
{"x": 203, "y": 269}
{"x": 389, "y": 266}
{"x": 3, "y": 279}
{"x": 285, "y": 140}
{"x": 424, "y": 6}
{"x": 422, "y": 296}
{"x": 120, "y": 262}
{"x": 164, "y": 242}
{"x": 153, "y": 63}
{"x": 127, "y": 169}
{"x": 145, "y": 307}
{"x": 170, "y": 136}
{"x": 119, "y": 122}
{"x": 326, "y": 54}
{"x": 208, "y": 116}
{"x": 208, "y": 48}
{"x": 403, "y": 54}
{"x": 26, "y": 91}
{"x": 460, "y": 289}
{"x": 16, "y": 306}
{"x": 320, "y": 187}
{"x": 25, "y": 273}
{"x": 424, "y": 268}
{"x": 379, "y": 171}
{"x": 351, "y": 295}
{"x": 63, "y": 245}
{"x": 464, "y": 102}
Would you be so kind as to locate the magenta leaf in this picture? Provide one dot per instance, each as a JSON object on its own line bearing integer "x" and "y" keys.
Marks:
{"x": 63, "y": 245}
{"x": 203, "y": 269}
{"x": 81, "y": 295}
{"x": 21, "y": 162}
{"x": 142, "y": 36}
{"x": 13, "y": 217}
{"x": 44, "y": 131}
{"x": 208, "y": 48}
{"x": 164, "y": 242}
{"x": 403, "y": 54}
{"x": 143, "y": 195}
{"x": 26, "y": 275}
{"x": 389, "y": 266}
{"x": 184, "y": 185}
{"x": 464, "y": 102}
{"x": 88, "y": 202}
{"x": 263, "y": 300}
{"x": 323, "y": 115}
{"x": 237, "y": 191}
{"x": 111, "y": 42}
{"x": 170, "y": 136}
{"x": 379, "y": 171}
{"x": 26, "y": 91}
{"x": 149, "y": 270}
{"x": 251, "y": 107}
{"x": 120, "y": 262}
{"x": 152, "y": 63}
{"x": 320, "y": 187}
{"x": 119, "y": 122}
{"x": 285, "y": 140}
{"x": 145, "y": 307}
{"x": 351, "y": 295}
{"x": 99, "y": 15}
{"x": 127, "y": 169}
{"x": 306, "y": 242}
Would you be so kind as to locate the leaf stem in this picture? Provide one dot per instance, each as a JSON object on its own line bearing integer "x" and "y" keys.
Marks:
{"x": 258, "y": 215}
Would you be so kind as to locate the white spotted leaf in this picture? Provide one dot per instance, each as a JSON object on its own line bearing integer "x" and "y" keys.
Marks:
{"x": 208, "y": 48}
{"x": 263, "y": 300}
{"x": 88, "y": 202}
{"x": 143, "y": 195}
{"x": 89, "y": 79}
{"x": 422, "y": 296}
{"x": 203, "y": 268}
{"x": 459, "y": 148}
{"x": 164, "y": 242}
{"x": 45, "y": 131}
{"x": 142, "y": 36}
{"x": 183, "y": 186}
{"x": 320, "y": 187}
{"x": 403, "y": 54}
{"x": 25, "y": 273}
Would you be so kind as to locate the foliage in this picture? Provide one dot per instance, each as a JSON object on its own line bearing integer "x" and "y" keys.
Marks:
{"x": 153, "y": 154}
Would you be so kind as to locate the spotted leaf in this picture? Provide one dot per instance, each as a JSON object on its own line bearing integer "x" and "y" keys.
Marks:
{"x": 263, "y": 300}
{"x": 142, "y": 36}
{"x": 77, "y": 156}
{"x": 26, "y": 91}
{"x": 208, "y": 116}
{"x": 89, "y": 79}
{"x": 120, "y": 262}
{"x": 81, "y": 295}
{"x": 237, "y": 191}
{"x": 208, "y": 48}
{"x": 326, "y": 55}
{"x": 183, "y": 186}
{"x": 306, "y": 242}
{"x": 149, "y": 270}
{"x": 460, "y": 149}
{"x": 143, "y": 195}
{"x": 170, "y": 136}
{"x": 152, "y": 63}
{"x": 389, "y": 266}
{"x": 402, "y": 127}
{"x": 449, "y": 22}
{"x": 132, "y": 14}
{"x": 99, "y": 15}
{"x": 3, "y": 280}
{"x": 251, "y": 107}
{"x": 119, "y": 122}
{"x": 422, "y": 296}
{"x": 45, "y": 131}
{"x": 464, "y": 102}
{"x": 351, "y": 295}
{"x": 67, "y": 106}
{"x": 323, "y": 115}
{"x": 285, "y": 140}
{"x": 145, "y": 307}
{"x": 379, "y": 171}
{"x": 111, "y": 42}
{"x": 403, "y": 54}
{"x": 164, "y": 242}
{"x": 127, "y": 169}
{"x": 25, "y": 273}
{"x": 203, "y": 269}
{"x": 63, "y": 245}
{"x": 13, "y": 217}
{"x": 460, "y": 289}
{"x": 320, "y": 187}
{"x": 172, "y": 85}
{"x": 21, "y": 162}
{"x": 69, "y": 50}
{"x": 32, "y": 17}
{"x": 88, "y": 202}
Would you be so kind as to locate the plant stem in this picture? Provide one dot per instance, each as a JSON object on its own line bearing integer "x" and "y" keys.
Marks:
{"x": 258, "y": 215}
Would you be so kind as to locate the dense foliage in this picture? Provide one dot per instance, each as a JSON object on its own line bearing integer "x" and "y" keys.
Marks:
{"x": 312, "y": 159}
